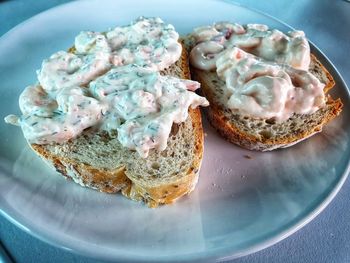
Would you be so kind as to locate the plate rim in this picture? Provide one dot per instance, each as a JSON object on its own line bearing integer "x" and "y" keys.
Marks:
{"x": 294, "y": 227}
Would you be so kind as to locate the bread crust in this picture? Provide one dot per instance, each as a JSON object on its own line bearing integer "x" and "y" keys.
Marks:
{"x": 330, "y": 80}
{"x": 108, "y": 181}
{"x": 232, "y": 133}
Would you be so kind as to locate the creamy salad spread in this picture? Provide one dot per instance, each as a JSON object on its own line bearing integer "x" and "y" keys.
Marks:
{"x": 273, "y": 45}
{"x": 142, "y": 105}
{"x": 266, "y": 90}
{"x": 266, "y": 71}
{"x": 111, "y": 82}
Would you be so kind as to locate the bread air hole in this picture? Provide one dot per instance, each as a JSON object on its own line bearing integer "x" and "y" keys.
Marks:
{"x": 266, "y": 134}
{"x": 174, "y": 129}
{"x": 270, "y": 121}
{"x": 155, "y": 166}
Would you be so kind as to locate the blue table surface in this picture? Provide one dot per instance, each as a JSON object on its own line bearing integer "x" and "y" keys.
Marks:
{"x": 327, "y": 237}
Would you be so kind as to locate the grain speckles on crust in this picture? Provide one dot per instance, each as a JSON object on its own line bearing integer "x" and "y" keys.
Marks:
{"x": 97, "y": 160}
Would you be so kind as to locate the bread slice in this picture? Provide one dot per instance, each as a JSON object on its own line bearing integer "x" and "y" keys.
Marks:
{"x": 263, "y": 134}
{"x": 97, "y": 159}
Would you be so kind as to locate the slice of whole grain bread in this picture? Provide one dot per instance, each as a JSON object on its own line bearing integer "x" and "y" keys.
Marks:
{"x": 263, "y": 134}
{"x": 97, "y": 159}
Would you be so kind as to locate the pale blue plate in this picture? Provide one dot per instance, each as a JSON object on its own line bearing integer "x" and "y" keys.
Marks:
{"x": 240, "y": 206}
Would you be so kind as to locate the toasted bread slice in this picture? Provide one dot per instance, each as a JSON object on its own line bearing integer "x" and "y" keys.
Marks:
{"x": 97, "y": 160}
{"x": 263, "y": 134}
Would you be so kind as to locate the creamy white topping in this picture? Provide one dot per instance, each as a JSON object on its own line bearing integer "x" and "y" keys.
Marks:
{"x": 205, "y": 54}
{"x": 143, "y": 105}
{"x": 111, "y": 82}
{"x": 35, "y": 100}
{"x": 139, "y": 103}
{"x": 219, "y": 32}
{"x": 91, "y": 42}
{"x": 273, "y": 45}
{"x": 267, "y": 90}
{"x": 266, "y": 71}
{"x": 57, "y": 117}
{"x": 147, "y": 42}
{"x": 65, "y": 69}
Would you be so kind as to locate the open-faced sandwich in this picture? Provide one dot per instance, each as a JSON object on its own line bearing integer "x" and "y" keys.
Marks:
{"x": 265, "y": 89}
{"x": 117, "y": 112}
